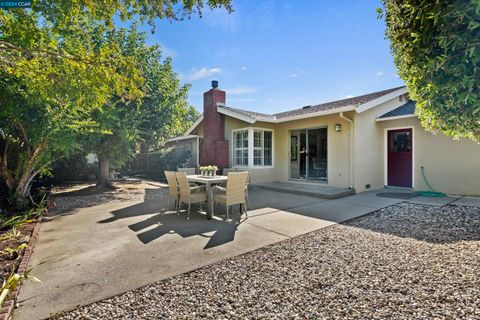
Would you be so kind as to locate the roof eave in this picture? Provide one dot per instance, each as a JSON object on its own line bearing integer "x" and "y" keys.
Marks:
{"x": 194, "y": 125}
{"x": 396, "y": 117}
{"x": 314, "y": 114}
{"x": 180, "y": 138}
{"x": 221, "y": 109}
{"x": 375, "y": 102}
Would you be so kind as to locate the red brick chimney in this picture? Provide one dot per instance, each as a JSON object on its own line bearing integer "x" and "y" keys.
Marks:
{"x": 214, "y": 148}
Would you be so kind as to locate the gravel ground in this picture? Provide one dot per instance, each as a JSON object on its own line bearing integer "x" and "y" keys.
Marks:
{"x": 403, "y": 262}
{"x": 76, "y": 197}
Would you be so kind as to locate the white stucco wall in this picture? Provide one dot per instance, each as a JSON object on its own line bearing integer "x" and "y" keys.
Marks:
{"x": 451, "y": 166}
{"x": 337, "y": 152}
{"x": 368, "y": 146}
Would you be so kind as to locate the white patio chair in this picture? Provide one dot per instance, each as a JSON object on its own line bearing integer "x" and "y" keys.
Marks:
{"x": 189, "y": 194}
{"x": 226, "y": 171}
{"x": 173, "y": 188}
{"x": 234, "y": 193}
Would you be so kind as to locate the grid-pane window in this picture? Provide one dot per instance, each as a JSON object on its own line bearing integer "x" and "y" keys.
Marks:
{"x": 260, "y": 151}
{"x": 240, "y": 152}
{"x": 257, "y": 148}
{"x": 262, "y": 148}
{"x": 267, "y": 148}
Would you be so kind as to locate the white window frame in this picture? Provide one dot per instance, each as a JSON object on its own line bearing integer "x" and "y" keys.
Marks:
{"x": 251, "y": 148}
{"x": 234, "y": 148}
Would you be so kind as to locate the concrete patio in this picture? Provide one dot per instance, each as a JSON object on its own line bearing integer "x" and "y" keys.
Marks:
{"x": 89, "y": 254}
{"x": 317, "y": 190}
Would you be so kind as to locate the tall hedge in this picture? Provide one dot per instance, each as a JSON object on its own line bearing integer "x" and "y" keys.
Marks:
{"x": 436, "y": 48}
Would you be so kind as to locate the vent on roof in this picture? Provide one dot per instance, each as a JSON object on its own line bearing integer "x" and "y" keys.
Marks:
{"x": 306, "y": 107}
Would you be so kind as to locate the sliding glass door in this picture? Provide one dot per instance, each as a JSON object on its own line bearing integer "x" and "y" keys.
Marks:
{"x": 308, "y": 154}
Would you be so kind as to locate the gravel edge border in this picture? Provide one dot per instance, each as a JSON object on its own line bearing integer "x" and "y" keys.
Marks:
{"x": 7, "y": 309}
{"x": 54, "y": 316}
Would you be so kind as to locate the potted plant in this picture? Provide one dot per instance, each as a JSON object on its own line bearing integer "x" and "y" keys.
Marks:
{"x": 208, "y": 171}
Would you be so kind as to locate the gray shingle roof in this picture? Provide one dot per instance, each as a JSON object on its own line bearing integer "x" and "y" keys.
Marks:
{"x": 252, "y": 114}
{"x": 404, "y": 110}
{"x": 336, "y": 104}
{"x": 332, "y": 105}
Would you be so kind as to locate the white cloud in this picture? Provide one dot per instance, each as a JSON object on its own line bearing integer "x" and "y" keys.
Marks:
{"x": 241, "y": 90}
{"x": 197, "y": 74}
{"x": 380, "y": 73}
{"x": 168, "y": 51}
{"x": 243, "y": 68}
{"x": 219, "y": 18}
{"x": 298, "y": 73}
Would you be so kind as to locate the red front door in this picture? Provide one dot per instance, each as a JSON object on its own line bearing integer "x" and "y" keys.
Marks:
{"x": 400, "y": 149}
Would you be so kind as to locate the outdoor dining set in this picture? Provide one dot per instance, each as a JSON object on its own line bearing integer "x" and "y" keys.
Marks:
{"x": 187, "y": 187}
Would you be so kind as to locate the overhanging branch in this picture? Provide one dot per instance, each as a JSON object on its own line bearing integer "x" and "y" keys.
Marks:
{"x": 37, "y": 52}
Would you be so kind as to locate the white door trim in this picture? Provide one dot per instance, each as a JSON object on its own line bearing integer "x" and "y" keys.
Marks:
{"x": 385, "y": 153}
{"x": 307, "y": 156}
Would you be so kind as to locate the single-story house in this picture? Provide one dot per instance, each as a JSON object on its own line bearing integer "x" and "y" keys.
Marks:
{"x": 364, "y": 142}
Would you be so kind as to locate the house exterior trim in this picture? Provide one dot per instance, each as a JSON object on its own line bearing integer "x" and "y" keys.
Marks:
{"x": 235, "y": 115}
{"x": 251, "y": 148}
{"x": 180, "y": 138}
{"x": 396, "y": 118}
{"x": 312, "y": 115}
{"x": 385, "y": 153}
{"x": 194, "y": 125}
{"x": 375, "y": 102}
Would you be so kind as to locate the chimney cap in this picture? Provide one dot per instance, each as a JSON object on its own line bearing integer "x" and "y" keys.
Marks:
{"x": 214, "y": 84}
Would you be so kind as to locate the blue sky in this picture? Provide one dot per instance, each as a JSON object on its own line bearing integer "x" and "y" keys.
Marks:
{"x": 272, "y": 56}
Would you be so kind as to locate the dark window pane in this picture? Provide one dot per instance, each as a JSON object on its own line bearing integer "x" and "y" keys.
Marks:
{"x": 400, "y": 142}
{"x": 267, "y": 160}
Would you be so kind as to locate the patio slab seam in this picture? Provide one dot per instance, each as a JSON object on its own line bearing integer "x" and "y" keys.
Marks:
{"x": 286, "y": 209}
{"x": 269, "y": 230}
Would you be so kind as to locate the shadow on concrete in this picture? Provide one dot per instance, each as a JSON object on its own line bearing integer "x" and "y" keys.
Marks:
{"x": 163, "y": 220}
{"x": 87, "y": 195}
{"x": 380, "y": 211}
{"x": 388, "y": 212}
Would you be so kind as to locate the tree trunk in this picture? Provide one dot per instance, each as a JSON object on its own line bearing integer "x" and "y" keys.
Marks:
{"x": 104, "y": 173}
{"x": 19, "y": 187}
{"x": 20, "y": 197}
{"x": 5, "y": 173}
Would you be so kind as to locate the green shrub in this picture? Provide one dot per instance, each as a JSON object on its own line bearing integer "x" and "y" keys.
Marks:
{"x": 166, "y": 160}
{"x": 74, "y": 168}
{"x": 18, "y": 203}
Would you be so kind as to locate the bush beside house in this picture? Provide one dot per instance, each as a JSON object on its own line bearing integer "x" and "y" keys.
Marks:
{"x": 153, "y": 164}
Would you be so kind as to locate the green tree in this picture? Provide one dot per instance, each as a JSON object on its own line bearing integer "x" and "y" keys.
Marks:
{"x": 57, "y": 69}
{"x": 46, "y": 100}
{"x": 163, "y": 110}
{"x": 436, "y": 48}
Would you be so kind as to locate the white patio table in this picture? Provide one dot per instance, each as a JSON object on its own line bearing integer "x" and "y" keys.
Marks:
{"x": 208, "y": 182}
